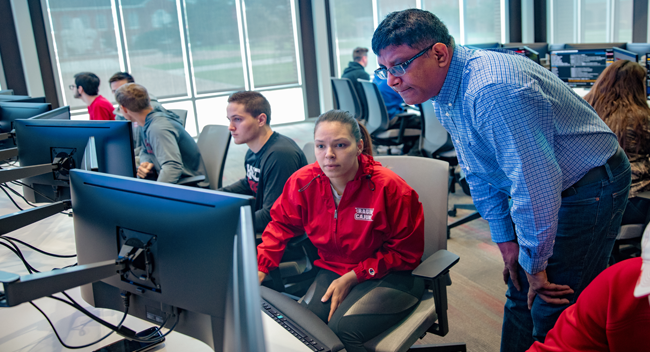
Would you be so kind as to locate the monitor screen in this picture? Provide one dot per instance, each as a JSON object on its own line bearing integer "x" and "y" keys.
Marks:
{"x": 526, "y": 51}
{"x": 622, "y": 54}
{"x": 41, "y": 141}
{"x": 22, "y": 98}
{"x": 638, "y": 48}
{"x": 484, "y": 45}
{"x": 11, "y": 111}
{"x": 62, "y": 113}
{"x": 647, "y": 68}
{"x": 579, "y": 68}
{"x": 199, "y": 247}
{"x": 540, "y": 48}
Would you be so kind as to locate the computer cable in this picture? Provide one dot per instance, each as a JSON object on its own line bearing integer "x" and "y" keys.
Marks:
{"x": 39, "y": 250}
{"x": 10, "y": 197}
{"x": 18, "y": 253}
{"x": 18, "y": 183}
{"x": 126, "y": 311}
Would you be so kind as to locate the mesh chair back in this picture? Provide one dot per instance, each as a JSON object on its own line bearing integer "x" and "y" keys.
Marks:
{"x": 181, "y": 113}
{"x": 377, "y": 114}
{"x": 346, "y": 97}
{"x": 428, "y": 177}
{"x": 213, "y": 144}
{"x": 434, "y": 137}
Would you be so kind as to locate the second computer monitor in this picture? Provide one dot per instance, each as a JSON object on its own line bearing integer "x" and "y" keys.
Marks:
{"x": 579, "y": 68}
{"x": 41, "y": 141}
{"x": 622, "y": 54}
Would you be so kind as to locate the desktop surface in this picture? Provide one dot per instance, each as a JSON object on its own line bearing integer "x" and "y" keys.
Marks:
{"x": 23, "y": 328}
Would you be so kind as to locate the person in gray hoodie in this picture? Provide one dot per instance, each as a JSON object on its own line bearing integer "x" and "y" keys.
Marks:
{"x": 168, "y": 149}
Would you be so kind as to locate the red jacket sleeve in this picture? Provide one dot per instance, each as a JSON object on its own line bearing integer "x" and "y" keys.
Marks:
{"x": 286, "y": 223}
{"x": 403, "y": 250}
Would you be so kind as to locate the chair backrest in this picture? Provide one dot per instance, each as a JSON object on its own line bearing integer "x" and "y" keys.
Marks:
{"x": 428, "y": 177}
{"x": 434, "y": 137}
{"x": 308, "y": 150}
{"x": 346, "y": 97}
{"x": 181, "y": 113}
{"x": 213, "y": 144}
{"x": 377, "y": 113}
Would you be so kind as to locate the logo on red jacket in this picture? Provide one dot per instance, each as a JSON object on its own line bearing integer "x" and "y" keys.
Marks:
{"x": 364, "y": 214}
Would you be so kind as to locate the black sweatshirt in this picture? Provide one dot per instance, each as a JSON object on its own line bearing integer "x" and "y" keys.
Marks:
{"x": 266, "y": 173}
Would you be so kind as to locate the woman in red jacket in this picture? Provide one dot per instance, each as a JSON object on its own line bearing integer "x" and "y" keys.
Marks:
{"x": 367, "y": 225}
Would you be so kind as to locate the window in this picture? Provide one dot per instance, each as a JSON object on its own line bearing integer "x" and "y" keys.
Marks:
{"x": 353, "y": 26}
{"x": 593, "y": 21}
{"x": 448, "y": 12}
{"x": 81, "y": 47}
{"x": 589, "y": 21}
{"x": 188, "y": 53}
{"x": 482, "y": 21}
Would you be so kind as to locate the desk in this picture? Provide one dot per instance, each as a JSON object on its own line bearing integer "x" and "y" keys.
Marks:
{"x": 23, "y": 328}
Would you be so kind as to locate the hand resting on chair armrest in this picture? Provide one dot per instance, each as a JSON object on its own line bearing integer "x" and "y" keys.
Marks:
{"x": 438, "y": 263}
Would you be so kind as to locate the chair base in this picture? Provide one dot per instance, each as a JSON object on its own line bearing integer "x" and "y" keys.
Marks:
{"x": 471, "y": 217}
{"x": 447, "y": 347}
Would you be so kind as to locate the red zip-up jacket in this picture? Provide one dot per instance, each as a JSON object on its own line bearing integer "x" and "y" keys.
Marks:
{"x": 377, "y": 228}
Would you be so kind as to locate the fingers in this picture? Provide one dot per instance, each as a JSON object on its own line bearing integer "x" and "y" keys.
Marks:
{"x": 327, "y": 294}
{"x": 551, "y": 300}
{"x": 261, "y": 276}
{"x": 333, "y": 306}
{"x": 531, "y": 297}
{"x": 506, "y": 274}
{"x": 514, "y": 276}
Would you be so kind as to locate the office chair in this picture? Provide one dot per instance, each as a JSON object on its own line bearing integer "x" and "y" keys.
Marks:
{"x": 308, "y": 150}
{"x": 430, "y": 315}
{"x": 628, "y": 241}
{"x": 435, "y": 142}
{"x": 181, "y": 113}
{"x": 385, "y": 131}
{"x": 213, "y": 143}
{"x": 347, "y": 98}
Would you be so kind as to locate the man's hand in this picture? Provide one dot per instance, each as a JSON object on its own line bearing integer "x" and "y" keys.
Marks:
{"x": 144, "y": 169}
{"x": 550, "y": 293}
{"x": 338, "y": 290}
{"x": 261, "y": 275}
{"x": 510, "y": 253}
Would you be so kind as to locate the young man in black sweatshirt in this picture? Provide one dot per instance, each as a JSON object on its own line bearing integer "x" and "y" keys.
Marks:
{"x": 270, "y": 159}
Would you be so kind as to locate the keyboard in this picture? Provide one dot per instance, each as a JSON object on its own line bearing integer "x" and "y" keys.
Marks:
{"x": 293, "y": 328}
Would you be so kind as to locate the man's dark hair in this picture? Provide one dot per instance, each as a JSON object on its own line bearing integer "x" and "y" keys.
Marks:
{"x": 254, "y": 103}
{"x": 120, "y": 76}
{"x": 415, "y": 28}
{"x": 358, "y": 53}
{"x": 88, "y": 81}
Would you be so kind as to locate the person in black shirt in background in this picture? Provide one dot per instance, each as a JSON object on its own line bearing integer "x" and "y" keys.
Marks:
{"x": 357, "y": 69}
{"x": 270, "y": 159}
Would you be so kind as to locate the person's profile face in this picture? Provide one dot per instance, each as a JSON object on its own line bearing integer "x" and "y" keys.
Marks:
{"x": 77, "y": 92}
{"x": 243, "y": 126}
{"x": 117, "y": 84}
{"x": 423, "y": 78}
{"x": 336, "y": 150}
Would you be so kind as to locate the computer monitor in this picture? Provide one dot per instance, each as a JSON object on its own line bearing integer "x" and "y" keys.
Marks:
{"x": 7, "y": 92}
{"x": 641, "y": 49}
{"x": 484, "y": 45}
{"x": 41, "y": 141}
{"x": 579, "y": 68}
{"x": 622, "y": 54}
{"x": 647, "y": 69}
{"x": 62, "y": 113}
{"x": 199, "y": 246}
{"x": 22, "y": 98}
{"x": 526, "y": 51}
{"x": 540, "y": 48}
{"x": 594, "y": 46}
{"x": 11, "y": 111}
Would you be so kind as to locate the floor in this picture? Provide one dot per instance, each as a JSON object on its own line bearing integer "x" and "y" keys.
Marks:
{"x": 477, "y": 294}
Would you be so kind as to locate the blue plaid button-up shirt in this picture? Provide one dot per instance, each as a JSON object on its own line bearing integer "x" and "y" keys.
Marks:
{"x": 519, "y": 132}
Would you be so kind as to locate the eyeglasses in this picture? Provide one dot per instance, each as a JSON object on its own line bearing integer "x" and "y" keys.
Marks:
{"x": 72, "y": 87}
{"x": 399, "y": 70}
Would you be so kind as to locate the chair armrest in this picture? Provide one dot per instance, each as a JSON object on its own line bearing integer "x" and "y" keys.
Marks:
{"x": 436, "y": 265}
{"x": 191, "y": 181}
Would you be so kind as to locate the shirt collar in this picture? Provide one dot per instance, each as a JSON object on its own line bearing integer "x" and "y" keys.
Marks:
{"x": 449, "y": 89}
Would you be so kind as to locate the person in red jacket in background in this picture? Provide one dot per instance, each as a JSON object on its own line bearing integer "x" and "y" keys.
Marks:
{"x": 367, "y": 225}
{"x": 611, "y": 314}
{"x": 86, "y": 88}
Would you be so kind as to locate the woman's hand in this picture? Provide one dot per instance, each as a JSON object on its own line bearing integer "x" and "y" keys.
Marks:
{"x": 338, "y": 290}
{"x": 261, "y": 275}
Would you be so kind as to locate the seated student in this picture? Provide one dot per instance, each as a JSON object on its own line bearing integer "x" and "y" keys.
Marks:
{"x": 87, "y": 89}
{"x": 611, "y": 314}
{"x": 367, "y": 225}
{"x": 619, "y": 98}
{"x": 357, "y": 69}
{"x": 116, "y": 81}
{"x": 271, "y": 157}
{"x": 392, "y": 99}
{"x": 168, "y": 149}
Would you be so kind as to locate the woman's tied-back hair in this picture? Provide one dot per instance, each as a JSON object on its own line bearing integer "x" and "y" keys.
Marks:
{"x": 415, "y": 28}
{"x": 619, "y": 98}
{"x": 358, "y": 131}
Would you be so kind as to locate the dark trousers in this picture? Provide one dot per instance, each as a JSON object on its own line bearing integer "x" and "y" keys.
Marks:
{"x": 588, "y": 223}
{"x": 369, "y": 309}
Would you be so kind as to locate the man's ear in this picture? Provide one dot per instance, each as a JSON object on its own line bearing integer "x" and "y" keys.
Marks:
{"x": 124, "y": 109}
{"x": 442, "y": 54}
{"x": 80, "y": 89}
{"x": 261, "y": 119}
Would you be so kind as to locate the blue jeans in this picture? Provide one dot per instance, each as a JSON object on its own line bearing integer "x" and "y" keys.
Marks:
{"x": 588, "y": 223}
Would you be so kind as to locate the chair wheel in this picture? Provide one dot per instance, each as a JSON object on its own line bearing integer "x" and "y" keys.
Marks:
{"x": 452, "y": 212}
